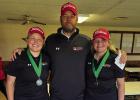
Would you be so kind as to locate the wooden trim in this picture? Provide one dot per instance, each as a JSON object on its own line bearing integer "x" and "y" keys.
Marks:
{"x": 128, "y": 32}
{"x": 121, "y": 39}
{"x": 133, "y": 43}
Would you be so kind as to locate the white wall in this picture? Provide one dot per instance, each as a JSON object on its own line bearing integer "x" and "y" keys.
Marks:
{"x": 11, "y": 34}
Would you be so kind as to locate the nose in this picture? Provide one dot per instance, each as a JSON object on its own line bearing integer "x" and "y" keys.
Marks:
{"x": 69, "y": 18}
{"x": 36, "y": 40}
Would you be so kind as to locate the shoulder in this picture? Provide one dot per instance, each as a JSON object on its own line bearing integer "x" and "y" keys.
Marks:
{"x": 113, "y": 55}
{"x": 111, "y": 58}
{"x": 23, "y": 55}
{"x": 51, "y": 39}
{"x": 85, "y": 40}
{"x": 19, "y": 58}
{"x": 84, "y": 37}
{"x": 52, "y": 36}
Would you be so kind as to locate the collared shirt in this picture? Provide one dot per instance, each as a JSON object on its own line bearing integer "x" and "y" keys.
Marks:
{"x": 105, "y": 85}
{"x": 62, "y": 32}
{"x": 25, "y": 83}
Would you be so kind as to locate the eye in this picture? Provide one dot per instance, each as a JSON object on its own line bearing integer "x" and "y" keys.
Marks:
{"x": 37, "y": 40}
{"x": 67, "y": 16}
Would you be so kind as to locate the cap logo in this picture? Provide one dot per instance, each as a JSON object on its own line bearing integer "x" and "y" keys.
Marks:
{"x": 36, "y": 29}
{"x": 97, "y": 32}
{"x": 69, "y": 5}
{"x": 101, "y": 33}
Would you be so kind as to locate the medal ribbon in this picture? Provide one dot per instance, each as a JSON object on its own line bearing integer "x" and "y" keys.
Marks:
{"x": 37, "y": 69}
{"x": 97, "y": 71}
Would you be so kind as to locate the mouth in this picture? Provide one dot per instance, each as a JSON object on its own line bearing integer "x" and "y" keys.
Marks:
{"x": 99, "y": 47}
{"x": 35, "y": 46}
{"x": 68, "y": 23}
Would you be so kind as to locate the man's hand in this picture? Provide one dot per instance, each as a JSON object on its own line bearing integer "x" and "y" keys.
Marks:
{"x": 13, "y": 54}
{"x": 123, "y": 57}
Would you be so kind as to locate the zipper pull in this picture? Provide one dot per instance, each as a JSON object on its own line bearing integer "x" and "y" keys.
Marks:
{"x": 97, "y": 82}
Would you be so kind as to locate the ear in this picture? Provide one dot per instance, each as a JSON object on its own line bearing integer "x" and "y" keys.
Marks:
{"x": 26, "y": 41}
{"x": 108, "y": 44}
{"x": 76, "y": 18}
{"x": 60, "y": 18}
{"x": 44, "y": 42}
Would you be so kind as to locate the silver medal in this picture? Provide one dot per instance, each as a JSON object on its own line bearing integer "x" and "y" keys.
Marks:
{"x": 39, "y": 82}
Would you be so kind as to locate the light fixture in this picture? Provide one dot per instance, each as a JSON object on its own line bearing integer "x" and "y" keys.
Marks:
{"x": 81, "y": 18}
{"x": 121, "y": 18}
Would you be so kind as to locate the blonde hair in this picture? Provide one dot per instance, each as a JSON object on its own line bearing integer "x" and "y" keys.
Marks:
{"x": 112, "y": 47}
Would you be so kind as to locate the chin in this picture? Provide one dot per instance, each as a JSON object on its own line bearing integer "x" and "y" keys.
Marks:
{"x": 36, "y": 50}
{"x": 100, "y": 50}
{"x": 68, "y": 28}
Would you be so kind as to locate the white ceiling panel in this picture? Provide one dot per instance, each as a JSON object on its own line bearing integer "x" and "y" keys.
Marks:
{"x": 101, "y": 12}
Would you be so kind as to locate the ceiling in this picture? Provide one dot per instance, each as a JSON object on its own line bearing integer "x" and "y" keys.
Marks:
{"x": 100, "y": 12}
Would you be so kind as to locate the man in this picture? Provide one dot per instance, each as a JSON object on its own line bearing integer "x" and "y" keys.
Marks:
{"x": 68, "y": 50}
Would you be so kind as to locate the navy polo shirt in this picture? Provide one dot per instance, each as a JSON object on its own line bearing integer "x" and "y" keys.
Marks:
{"x": 25, "y": 84}
{"x": 104, "y": 87}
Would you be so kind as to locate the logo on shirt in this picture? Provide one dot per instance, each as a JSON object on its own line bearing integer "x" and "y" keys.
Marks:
{"x": 77, "y": 48}
{"x": 29, "y": 65}
{"x": 89, "y": 63}
{"x": 44, "y": 63}
{"x": 57, "y": 48}
{"x": 107, "y": 65}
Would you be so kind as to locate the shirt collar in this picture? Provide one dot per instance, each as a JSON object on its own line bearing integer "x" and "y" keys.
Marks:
{"x": 62, "y": 32}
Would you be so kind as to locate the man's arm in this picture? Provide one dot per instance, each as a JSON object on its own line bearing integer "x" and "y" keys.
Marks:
{"x": 13, "y": 54}
{"x": 123, "y": 56}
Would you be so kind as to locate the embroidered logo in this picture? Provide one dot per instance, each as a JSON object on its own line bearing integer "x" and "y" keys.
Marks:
{"x": 29, "y": 65}
{"x": 77, "y": 48}
{"x": 107, "y": 65}
{"x": 57, "y": 48}
{"x": 44, "y": 63}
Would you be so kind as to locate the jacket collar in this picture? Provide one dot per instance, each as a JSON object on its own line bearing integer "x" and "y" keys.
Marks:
{"x": 59, "y": 31}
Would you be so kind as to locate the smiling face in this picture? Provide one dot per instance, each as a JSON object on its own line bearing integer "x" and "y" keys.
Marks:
{"x": 35, "y": 42}
{"x": 100, "y": 45}
{"x": 69, "y": 21}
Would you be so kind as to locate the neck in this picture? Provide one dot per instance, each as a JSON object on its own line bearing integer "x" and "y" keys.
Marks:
{"x": 35, "y": 54}
{"x": 99, "y": 55}
{"x": 68, "y": 34}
